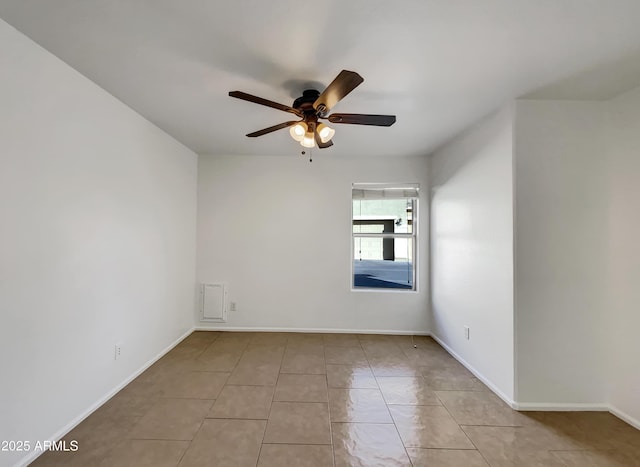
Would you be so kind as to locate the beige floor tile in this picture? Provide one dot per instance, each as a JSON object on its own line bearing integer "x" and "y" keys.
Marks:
{"x": 311, "y": 347}
{"x": 597, "y": 458}
{"x": 175, "y": 363}
{"x": 262, "y": 353}
{"x": 407, "y": 390}
{"x": 222, "y": 355}
{"x": 382, "y": 349}
{"x": 196, "y": 385}
{"x": 145, "y": 453}
{"x": 144, "y": 425}
{"x": 428, "y": 356}
{"x": 96, "y": 436}
{"x": 201, "y": 336}
{"x": 428, "y": 426}
{"x": 123, "y": 405}
{"x": 225, "y": 443}
{"x": 341, "y": 340}
{"x": 480, "y": 408}
{"x": 301, "y": 388}
{"x": 358, "y": 405}
{"x": 501, "y": 441}
{"x": 393, "y": 366}
{"x": 269, "y": 338}
{"x": 250, "y": 374}
{"x": 295, "y": 455}
{"x": 351, "y": 376}
{"x": 364, "y": 338}
{"x": 154, "y": 373}
{"x": 452, "y": 377}
{"x": 523, "y": 459}
{"x": 198, "y": 338}
{"x": 249, "y": 402}
{"x": 368, "y": 444}
{"x": 177, "y": 419}
{"x": 345, "y": 355}
{"x": 592, "y": 430}
{"x": 144, "y": 389}
{"x": 446, "y": 458}
{"x": 303, "y": 360}
{"x": 102, "y": 424}
{"x": 298, "y": 423}
{"x": 238, "y": 337}
{"x": 188, "y": 351}
{"x": 303, "y": 338}
{"x": 420, "y": 342}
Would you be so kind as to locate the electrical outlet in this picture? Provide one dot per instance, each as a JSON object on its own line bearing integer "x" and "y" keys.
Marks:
{"x": 118, "y": 351}
{"x": 232, "y": 306}
{"x": 466, "y": 332}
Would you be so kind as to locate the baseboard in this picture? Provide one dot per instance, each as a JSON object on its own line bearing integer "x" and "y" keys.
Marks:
{"x": 634, "y": 422}
{"x": 560, "y": 407}
{"x": 510, "y": 402}
{"x": 76, "y": 421}
{"x": 214, "y": 327}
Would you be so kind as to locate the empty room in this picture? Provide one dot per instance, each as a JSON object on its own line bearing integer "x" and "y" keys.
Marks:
{"x": 360, "y": 233}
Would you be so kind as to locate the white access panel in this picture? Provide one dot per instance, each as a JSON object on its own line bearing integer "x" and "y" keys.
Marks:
{"x": 213, "y": 302}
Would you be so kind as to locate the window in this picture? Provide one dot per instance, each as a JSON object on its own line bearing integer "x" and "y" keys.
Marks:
{"x": 384, "y": 235}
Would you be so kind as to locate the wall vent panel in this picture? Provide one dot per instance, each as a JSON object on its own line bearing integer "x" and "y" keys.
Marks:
{"x": 213, "y": 302}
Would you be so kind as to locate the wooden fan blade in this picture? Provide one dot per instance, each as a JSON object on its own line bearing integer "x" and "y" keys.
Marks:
{"x": 270, "y": 129}
{"x": 363, "y": 119}
{"x": 319, "y": 142}
{"x": 259, "y": 100}
{"x": 343, "y": 84}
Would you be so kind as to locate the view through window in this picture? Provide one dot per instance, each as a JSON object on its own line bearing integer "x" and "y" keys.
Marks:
{"x": 384, "y": 231}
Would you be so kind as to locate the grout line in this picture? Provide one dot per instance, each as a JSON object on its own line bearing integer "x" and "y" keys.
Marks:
{"x": 326, "y": 378}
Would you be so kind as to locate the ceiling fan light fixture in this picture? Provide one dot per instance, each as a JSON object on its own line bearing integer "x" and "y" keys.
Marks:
{"x": 298, "y": 131}
{"x": 325, "y": 132}
{"x": 309, "y": 140}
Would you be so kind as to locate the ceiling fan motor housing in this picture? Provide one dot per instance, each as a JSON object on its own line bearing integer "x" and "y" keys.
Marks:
{"x": 305, "y": 102}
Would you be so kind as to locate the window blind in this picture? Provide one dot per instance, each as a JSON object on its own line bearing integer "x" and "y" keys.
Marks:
{"x": 384, "y": 190}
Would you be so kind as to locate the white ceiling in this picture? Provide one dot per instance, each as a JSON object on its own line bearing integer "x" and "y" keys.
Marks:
{"x": 438, "y": 65}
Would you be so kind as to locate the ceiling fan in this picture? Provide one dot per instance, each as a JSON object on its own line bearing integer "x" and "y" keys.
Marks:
{"x": 312, "y": 106}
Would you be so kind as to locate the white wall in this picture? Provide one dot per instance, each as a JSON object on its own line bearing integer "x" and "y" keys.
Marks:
{"x": 623, "y": 251}
{"x": 97, "y": 242}
{"x": 472, "y": 249}
{"x": 278, "y": 231}
{"x": 560, "y": 253}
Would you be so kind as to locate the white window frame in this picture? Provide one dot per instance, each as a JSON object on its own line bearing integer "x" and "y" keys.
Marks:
{"x": 389, "y": 188}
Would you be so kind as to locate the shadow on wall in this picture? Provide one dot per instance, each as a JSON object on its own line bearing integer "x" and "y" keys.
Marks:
{"x": 475, "y": 138}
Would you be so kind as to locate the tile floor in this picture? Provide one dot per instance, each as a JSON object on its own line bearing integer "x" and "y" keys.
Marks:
{"x": 316, "y": 400}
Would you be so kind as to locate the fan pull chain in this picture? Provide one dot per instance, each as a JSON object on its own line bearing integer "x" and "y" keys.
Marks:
{"x": 310, "y": 155}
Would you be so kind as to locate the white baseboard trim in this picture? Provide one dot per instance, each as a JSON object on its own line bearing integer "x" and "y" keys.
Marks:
{"x": 560, "y": 407}
{"x": 634, "y": 422}
{"x": 213, "y": 327}
{"x": 76, "y": 421}
{"x": 510, "y": 402}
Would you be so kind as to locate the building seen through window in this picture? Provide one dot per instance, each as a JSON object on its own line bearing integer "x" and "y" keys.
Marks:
{"x": 384, "y": 231}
